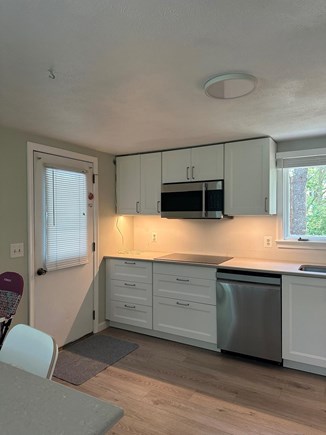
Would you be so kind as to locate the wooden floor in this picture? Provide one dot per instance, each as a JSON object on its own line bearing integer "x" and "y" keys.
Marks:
{"x": 175, "y": 389}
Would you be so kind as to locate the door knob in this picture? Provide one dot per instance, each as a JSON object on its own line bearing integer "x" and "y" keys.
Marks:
{"x": 41, "y": 271}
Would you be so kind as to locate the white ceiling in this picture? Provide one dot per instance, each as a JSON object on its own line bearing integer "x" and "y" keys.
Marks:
{"x": 130, "y": 73}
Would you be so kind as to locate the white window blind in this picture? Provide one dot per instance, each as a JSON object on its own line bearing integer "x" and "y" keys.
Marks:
{"x": 66, "y": 238}
{"x": 301, "y": 162}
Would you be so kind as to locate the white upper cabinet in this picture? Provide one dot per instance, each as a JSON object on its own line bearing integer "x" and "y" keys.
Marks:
{"x": 128, "y": 184}
{"x": 139, "y": 184}
{"x": 150, "y": 184}
{"x": 193, "y": 164}
{"x": 250, "y": 177}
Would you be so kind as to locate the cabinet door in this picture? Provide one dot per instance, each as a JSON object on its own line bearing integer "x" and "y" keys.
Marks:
{"x": 176, "y": 166}
{"x": 131, "y": 292}
{"x": 186, "y": 319}
{"x": 250, "y": 177}
{"x": 128, "y": 184}
{"x": 130, "y": 314}
{"x": 129, "y": 270}
{"x": 304, "y": 320}
{"x": 150, "y": 183}
{"x": 207, "y": 163}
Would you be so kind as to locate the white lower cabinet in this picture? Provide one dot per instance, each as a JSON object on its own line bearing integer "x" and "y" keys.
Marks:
{"x": 131, "y": 314}
{"x": 304, "y": 321}
{"x": 187, "y": 319}
{"x": 184, "y": 302}
{"x": 129, "y": 293}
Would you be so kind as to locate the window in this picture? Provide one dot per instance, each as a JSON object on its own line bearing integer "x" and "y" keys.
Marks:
{"x": 65, "y": 241}
{"x": 304, "y": 198}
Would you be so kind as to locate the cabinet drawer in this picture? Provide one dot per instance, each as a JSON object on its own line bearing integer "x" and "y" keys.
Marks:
{"x": 185, "y": 270}
{"x": 183, "y": 287}
{"x": 130, "y": 314}
{"x": 186, "y": 319}
{"x": 130, "y": 270}
{"x": 135, "y": 292}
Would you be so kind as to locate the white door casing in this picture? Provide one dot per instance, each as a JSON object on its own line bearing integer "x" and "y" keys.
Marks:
{"x": 61, "y": 301}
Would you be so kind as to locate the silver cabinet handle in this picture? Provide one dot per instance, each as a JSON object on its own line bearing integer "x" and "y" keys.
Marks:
{"x": 137, "y": 207}
{"x": 193, "y": 172}
{"x": 158, "y": 206}
{"x": 182, "y": 304}
{"x": 129, "y": 285}
{"x": 188, "y": 167}
{"x": 182, "y": 280}
{"x": 130, "y": 262}
{"x": 130, "y": 306}
{"x": 266, "y": 210}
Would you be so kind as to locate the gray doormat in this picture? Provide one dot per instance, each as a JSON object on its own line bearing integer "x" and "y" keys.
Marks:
{"x": 84, "y": 359}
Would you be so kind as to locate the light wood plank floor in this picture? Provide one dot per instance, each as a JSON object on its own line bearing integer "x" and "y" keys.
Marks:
{"x": 174, "y": 389}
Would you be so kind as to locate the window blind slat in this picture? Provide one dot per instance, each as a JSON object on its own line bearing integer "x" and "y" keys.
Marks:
{"x": 66, "y": 236}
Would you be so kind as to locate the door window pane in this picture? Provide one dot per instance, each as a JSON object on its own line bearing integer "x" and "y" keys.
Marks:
{"x": 66, "y": 238}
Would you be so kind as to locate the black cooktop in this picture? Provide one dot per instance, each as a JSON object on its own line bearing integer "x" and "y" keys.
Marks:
{"x": 194, "y": 258}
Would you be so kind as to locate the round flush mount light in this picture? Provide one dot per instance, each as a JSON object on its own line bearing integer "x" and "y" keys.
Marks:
{"x": 232, "y": 85}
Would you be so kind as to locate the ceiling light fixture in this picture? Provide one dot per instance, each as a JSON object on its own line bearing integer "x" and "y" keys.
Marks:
{"x": 231, "y": 85}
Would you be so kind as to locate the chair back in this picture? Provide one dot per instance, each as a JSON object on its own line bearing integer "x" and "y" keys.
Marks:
{"x": 11, "y": 290}
{"x": 31, "y": 350}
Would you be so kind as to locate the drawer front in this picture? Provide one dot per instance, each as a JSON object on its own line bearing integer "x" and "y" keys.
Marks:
{"x": 199, "y": 272}
{"x": 135, "y": 292}
{"x": 183, "y": 287}
{"x": 186, "y": 319}
{"x": 130, "y": 270}
{"x": 130, "y": 314}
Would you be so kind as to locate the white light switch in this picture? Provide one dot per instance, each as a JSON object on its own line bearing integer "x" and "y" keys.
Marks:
{"x": 17, "y": 250}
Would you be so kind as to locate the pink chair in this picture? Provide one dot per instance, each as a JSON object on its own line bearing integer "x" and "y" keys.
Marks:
{"x": 11, "y": 290}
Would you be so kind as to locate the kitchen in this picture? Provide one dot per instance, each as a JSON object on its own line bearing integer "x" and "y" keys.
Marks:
{"x": 155, "y": 111}
{"x": 235, "y": 162}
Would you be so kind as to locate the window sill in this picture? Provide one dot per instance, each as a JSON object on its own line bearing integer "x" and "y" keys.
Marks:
{"x": 295, "y": 244}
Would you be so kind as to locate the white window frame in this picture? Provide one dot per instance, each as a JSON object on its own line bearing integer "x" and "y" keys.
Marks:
{"x": 312, "y": 243}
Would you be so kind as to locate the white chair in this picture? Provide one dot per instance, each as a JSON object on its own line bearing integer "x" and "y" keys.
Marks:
{"x": 31, "y": 350}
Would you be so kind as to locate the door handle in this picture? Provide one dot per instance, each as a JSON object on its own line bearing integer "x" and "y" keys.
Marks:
{"x": 193, "y": 172}
{"x": 41, "y": 271}
{"x": 182, "y": 280}
{"x": 158, "y": 207}
{"x": 188, "y": 167}
{"x": 137, "y": 207}
{"x": 266, "y": 210}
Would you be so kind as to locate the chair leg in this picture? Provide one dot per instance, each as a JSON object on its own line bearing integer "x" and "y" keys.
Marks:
{"x": 4, "y": 326}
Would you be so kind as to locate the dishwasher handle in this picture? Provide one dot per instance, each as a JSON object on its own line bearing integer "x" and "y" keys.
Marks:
{"x": 230, "y": 278}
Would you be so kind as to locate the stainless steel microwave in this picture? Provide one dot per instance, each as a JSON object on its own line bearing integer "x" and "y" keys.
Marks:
{"x": 196, "y": 200}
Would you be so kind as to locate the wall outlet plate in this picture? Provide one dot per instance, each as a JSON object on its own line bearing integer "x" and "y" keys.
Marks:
{"x": 268, "y": 241}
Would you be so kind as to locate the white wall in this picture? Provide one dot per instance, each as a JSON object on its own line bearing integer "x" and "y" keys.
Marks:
{"x": 238, "y": 237}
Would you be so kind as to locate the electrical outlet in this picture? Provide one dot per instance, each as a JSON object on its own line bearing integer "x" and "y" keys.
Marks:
{"x": 268, "y": 241}
{"x": 154, "y": 237}
{"x": 16, "y": 250}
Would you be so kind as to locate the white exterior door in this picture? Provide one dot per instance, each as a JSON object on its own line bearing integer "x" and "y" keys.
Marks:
{"x": 63, "y": 296}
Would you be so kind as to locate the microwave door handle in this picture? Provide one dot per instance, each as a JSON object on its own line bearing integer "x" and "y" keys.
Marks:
{"x": 204, "y": 213}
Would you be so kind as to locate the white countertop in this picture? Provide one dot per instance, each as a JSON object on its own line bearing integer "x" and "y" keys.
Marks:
{"x": 252, "y": 264}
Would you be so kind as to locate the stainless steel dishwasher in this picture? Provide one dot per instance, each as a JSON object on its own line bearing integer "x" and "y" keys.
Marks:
{"x": 249, "y": 313}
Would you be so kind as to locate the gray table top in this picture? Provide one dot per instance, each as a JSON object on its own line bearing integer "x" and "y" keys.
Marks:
{"x": 31, "y": 405}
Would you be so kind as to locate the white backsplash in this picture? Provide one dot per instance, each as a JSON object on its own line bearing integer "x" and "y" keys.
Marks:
{"x": 238, "y": 237}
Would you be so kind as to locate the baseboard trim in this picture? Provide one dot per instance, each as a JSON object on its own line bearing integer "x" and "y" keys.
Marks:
{"x": 304, "y": 367}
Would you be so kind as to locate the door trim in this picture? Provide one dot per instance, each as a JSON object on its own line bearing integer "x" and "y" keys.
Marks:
{"x": 31, "y": 147}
